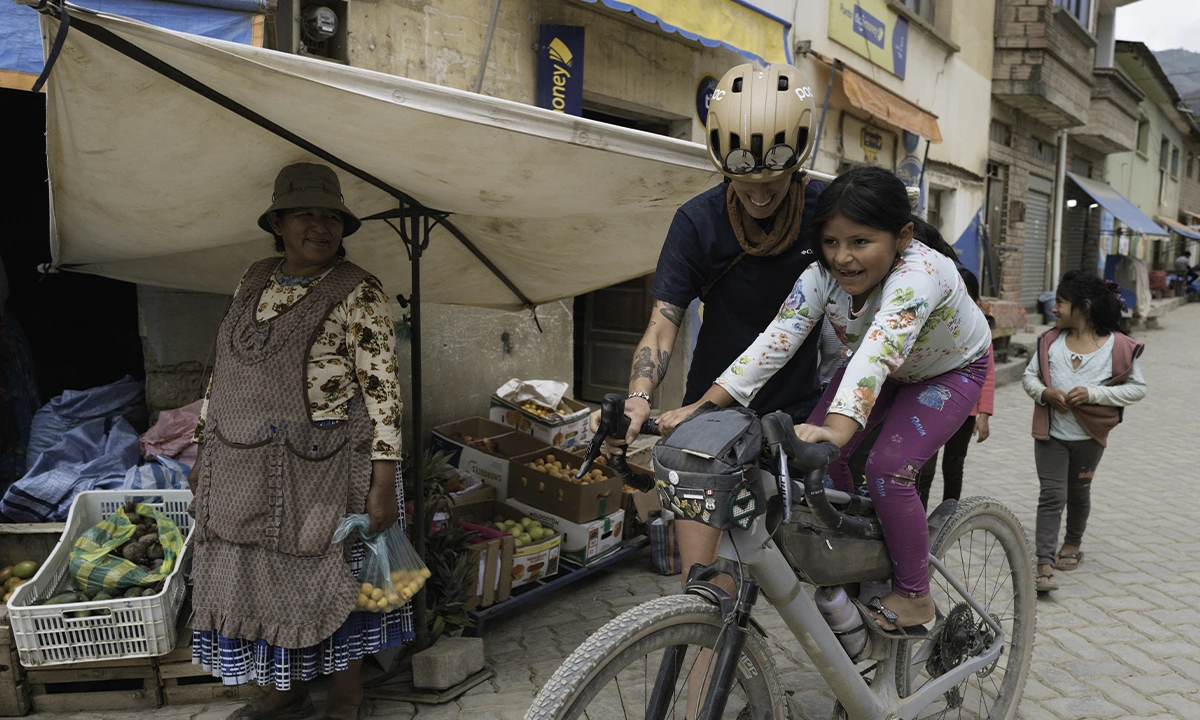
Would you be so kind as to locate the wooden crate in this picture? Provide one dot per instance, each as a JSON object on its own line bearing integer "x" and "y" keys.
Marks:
{"x": 19, "y": 541}
{"x": 108, "y": 685}
{"x": 184, "y": 683}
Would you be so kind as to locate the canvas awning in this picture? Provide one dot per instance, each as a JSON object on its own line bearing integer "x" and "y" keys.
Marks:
{"x": 154, "y": 183}
{"x": 1118, "y": 205}
{"x": 865, "y": 94}
{"x": 238, "y": 21}
{"x": 1178, "y": 227}
{"x": 733, "y": 24}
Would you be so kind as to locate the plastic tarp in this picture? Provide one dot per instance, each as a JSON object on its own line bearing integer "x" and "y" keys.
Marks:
{"x": 735, "y": 25}
{"x": 865, "y": 94}
{"x": 239, "y": 21}
{"x": 1118, "y": 205}
{"x": 154, "y": 183}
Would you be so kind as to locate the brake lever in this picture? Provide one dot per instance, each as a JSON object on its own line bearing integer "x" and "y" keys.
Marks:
{"x": 614, "y": 423}
{"x": 785, "y": 483}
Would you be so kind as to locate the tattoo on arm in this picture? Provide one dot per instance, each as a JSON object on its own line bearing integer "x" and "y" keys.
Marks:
{"x": 664, "y": 357}
{"x": 674, "y": 313}
{"x": 643, "y": 365}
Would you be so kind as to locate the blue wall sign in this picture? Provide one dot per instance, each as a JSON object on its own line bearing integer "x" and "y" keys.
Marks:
{"x": 560, "y": 69}
{"x": 704, "y": 91}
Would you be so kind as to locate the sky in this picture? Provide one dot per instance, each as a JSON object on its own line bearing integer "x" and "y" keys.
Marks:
{"x": 1161, "y": 24}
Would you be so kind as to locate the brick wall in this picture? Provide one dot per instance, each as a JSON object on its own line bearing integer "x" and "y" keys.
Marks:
{"x": 1018, "y": 164}
{"x": 1043, "y": 62}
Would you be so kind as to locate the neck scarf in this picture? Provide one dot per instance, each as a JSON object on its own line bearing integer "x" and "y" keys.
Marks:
{"x": 783, "y": 233}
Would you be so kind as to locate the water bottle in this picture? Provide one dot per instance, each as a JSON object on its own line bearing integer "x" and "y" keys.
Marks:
{"x": 845, "y": 620}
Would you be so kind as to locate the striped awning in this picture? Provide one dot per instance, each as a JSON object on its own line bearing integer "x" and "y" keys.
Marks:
{"x": 733, "y": 24}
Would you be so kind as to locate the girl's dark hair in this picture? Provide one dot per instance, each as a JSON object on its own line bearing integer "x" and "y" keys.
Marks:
{"x": 876, "y": 198}
{"x": 971, "y": 282}
{"x": 1095, "y": 298}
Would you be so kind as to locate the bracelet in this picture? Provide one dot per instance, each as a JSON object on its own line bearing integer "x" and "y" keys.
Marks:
{"x": 639, "y": 394}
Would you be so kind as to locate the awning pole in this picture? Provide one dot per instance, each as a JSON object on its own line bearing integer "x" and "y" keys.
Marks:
{"x": 812, "y": 164}
{"x": 487, "y": 46}
{"x": 416, "y": 225}
{"x": 1060, "y": 179}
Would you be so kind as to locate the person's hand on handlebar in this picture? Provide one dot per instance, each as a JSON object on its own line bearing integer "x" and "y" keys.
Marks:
{"x": 838, "y": 429}
{"x": 638, "y": 411}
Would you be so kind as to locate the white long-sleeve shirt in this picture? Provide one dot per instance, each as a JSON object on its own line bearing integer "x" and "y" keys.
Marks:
{"x": 1095, "y": 369}
{"x": 918, "y": 324}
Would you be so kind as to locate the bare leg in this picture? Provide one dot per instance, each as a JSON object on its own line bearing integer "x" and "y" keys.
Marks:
{"x": 698, "y": 545}
{"x": 346, "y": 693}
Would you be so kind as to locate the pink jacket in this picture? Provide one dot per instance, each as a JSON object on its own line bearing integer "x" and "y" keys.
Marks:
{"x": 987, "y": 396}
{"x": 1096, "y": 420}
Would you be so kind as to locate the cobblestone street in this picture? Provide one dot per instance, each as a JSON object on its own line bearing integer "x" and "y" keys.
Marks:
{"x": 1120, "y": 639}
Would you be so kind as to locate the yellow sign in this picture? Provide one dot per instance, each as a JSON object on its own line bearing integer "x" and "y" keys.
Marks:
{"x": 873, "y": 30}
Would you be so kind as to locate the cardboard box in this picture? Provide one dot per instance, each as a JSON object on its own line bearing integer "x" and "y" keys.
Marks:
{"x": 571, "y": 431}
{"x": 488, "y": 452}
{"x": 582, "y": 542}
{"x": 494, "y": 582}
{"x": 528, "y": 563}
{"x": 570, "y": 501}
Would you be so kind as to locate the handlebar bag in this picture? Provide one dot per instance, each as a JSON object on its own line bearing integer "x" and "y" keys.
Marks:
{"x": 700, "y": 468}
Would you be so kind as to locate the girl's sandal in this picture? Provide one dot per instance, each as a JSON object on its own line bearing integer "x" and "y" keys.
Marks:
{"x": 1045, "y": 583}
{"x": 912, "y": 632}
{"x": 1076, "y": 556}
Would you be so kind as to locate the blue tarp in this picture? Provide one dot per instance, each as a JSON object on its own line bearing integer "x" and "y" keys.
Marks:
{"x": 125, "y": 397}
{"x": 233, "y": 20}
{"x": 1118, "y": 205}
{"x": 967, "y": 245}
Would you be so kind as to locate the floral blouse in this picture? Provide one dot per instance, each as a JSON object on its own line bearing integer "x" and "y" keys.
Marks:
{"x": 356, "y": 348}
{"x": 919, "y": 323}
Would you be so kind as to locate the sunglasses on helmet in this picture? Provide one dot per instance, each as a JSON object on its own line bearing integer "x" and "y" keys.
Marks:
{"x": 741, "y": 161}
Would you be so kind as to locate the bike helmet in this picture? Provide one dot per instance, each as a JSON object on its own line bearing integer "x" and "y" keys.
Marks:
{"x": 760, "y": 122}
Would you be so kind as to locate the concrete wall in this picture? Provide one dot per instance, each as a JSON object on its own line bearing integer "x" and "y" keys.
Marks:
{"x": 1136, "y": 174}
{"x": 953, "y": 84}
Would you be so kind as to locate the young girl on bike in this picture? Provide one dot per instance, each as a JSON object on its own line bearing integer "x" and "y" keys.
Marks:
{"x": 1084, "y": 372}
{"x": 921, "y": 349}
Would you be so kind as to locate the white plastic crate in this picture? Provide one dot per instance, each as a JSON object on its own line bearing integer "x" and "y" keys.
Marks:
{"x": 125, "y": 628}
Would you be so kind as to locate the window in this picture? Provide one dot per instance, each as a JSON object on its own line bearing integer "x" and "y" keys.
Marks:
{"x": 1164, "y": 154}
{"x": 1191, "y": 165}
{"x": 998, "y": 132}
{"x": 1041, "y": 150}
{"x": 1162, "y": 187}
{"x": 1143, "y": 140}
{"x": 921, "y": 8}
{"x": 1082, "y": 167}
{"x": 1174, "y": 162}
{"x": 1081, "y": 9}
{"x": 933, "y": 211}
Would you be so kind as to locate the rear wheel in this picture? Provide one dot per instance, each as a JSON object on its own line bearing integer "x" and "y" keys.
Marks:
{"x": 613, "y": 673}
{"x": 984, "y": 546}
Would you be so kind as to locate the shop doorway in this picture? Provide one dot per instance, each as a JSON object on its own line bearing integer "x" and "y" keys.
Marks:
{"x": 1037, "y": 234}
{"x": 82, "y": 330}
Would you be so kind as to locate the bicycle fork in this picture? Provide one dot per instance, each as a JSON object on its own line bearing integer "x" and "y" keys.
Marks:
{"x": 727, "y": 649}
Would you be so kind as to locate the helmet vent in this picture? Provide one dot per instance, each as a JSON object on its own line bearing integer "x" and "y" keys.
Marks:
{"x": 756, "y": 146}
{"x": 802, "y": 141}
{"x": 780, "y": 138}
{"x": 714, "y": 139}
{"x": 783, "y": 83}
{"x": 735, "y": 141}
{"x": 737, "y": 85}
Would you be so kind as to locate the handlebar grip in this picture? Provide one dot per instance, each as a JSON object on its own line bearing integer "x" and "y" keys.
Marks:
{"x": 650, "y": 427}
{"x": 778, "y": 429}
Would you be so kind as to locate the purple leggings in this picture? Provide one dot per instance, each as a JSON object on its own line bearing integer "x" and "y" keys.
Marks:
{"x": 918, "y": 418}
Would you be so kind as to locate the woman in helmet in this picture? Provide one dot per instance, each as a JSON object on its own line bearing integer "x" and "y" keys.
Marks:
{"x": 738, "y": 248}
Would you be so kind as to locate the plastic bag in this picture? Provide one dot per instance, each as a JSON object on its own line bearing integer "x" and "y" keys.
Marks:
{"x": 96, "y": 561}
{"x": 391, "y": 572}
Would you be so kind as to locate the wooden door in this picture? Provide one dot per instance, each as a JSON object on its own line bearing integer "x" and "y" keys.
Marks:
{"x": 613, "y": 320}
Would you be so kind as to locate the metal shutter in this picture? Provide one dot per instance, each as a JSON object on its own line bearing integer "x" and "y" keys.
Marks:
{"x": 1037, "y": 233}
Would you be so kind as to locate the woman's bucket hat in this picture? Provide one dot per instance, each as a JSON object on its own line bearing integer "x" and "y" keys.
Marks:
{"x": 309, "y": 185}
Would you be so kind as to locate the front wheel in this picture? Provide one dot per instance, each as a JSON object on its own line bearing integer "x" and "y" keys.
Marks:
{"x": 613, "y": 673}
{"x": 984, "y": 546}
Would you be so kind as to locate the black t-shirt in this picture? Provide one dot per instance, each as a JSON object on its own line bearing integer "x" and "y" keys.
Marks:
{"x": 699, "y": 246}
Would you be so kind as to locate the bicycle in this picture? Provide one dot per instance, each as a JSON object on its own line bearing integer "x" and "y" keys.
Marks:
{"x": 973, "y": 663}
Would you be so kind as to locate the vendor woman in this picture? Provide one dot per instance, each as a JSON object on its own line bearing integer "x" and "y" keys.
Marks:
{"x": 300, "y": 426}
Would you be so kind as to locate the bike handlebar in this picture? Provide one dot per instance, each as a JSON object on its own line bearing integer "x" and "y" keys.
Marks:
{"x": 812, "y": 459}
{"x": 614, "y": 423}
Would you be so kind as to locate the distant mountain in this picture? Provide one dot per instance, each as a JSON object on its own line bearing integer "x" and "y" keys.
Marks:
{"x": 1183, "y": 67}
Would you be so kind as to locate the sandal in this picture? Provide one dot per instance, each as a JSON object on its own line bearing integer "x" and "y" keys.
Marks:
{"x": 297, "y": 710}
{"x": 1076, "y": 556}
{"x": 1045, "y": 583}
{"x": 911, "y": 632}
